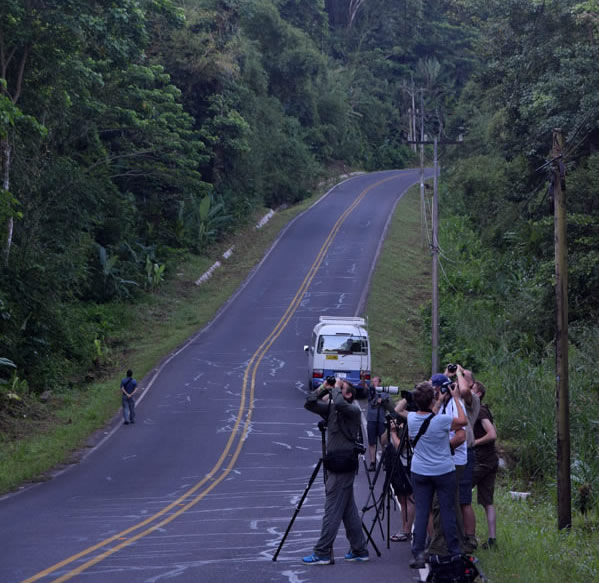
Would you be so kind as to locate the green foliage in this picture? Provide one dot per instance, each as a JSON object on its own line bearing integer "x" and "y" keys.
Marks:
{"x": 496, "y": 318}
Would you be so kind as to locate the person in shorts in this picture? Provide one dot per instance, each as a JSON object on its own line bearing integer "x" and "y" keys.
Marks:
{"x": 486, "y": 463}
{"x": 401, "y": 481}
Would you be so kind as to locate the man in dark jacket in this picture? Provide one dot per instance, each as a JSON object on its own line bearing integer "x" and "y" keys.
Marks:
{"x": 335, "y": 403}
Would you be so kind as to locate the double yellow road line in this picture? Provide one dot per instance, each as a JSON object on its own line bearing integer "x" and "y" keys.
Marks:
{"x": 228, "y": 458}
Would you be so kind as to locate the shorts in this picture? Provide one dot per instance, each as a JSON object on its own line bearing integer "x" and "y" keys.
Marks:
{"x": 484, "y": 480}
{"x": 465, "y": 483}
{"x": 375, "y": 429}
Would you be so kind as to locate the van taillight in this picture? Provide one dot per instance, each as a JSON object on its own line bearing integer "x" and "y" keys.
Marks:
{"x": 318, "y": 373}
{"x": 365, "y": 375}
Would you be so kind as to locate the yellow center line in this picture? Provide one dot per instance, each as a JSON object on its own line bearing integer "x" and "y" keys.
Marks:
{"x": 250, "y": 373}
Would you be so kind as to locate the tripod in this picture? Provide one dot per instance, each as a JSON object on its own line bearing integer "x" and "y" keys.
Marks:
{"x": 391, "y": 461}
{"x": 322, "y": 427}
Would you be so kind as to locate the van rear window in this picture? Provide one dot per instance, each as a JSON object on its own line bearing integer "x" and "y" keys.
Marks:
{"x": 342, "y": 345}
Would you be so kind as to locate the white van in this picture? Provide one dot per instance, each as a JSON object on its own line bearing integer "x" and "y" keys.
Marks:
{"x": 340, "y": 348}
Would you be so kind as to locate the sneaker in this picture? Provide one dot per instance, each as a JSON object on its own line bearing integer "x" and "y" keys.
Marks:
{"x": 490, "y": 544}
{"x": 351, "y": 556}
{"x": 126, "y": 423}
{"x": 316, "y": 560}
{"x": 132, "y": 421}
{"x": 418, "y": 562}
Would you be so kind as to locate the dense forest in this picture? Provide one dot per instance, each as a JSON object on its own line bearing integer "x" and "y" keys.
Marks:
{"x": 134, "y": 132}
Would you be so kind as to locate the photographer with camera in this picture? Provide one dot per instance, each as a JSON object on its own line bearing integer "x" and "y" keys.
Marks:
{"x": 379, "y": 402}
{"x": 400, "y": 462}
{"x": 460, "y": 443}
{"x": 433, "y": 468}
{"x": 335, "y": 403}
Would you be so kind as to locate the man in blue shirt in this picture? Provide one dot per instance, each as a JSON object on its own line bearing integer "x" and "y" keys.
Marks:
{"x": 128, "y": 389}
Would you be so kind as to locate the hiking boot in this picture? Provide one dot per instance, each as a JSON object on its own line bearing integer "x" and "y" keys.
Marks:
{"x": 470, "y": 544}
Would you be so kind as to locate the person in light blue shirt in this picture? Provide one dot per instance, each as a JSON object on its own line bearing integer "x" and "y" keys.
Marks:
{"x": 433, "y": 469}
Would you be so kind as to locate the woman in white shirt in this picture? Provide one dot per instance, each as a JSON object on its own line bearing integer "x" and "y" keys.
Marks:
{"x": 433, "y": 469}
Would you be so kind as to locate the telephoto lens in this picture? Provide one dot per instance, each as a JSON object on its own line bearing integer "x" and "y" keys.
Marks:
{"x": 391, "y": 390}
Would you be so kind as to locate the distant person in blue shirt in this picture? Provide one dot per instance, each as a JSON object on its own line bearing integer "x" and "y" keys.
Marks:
{"x": 433, "y": 469}
{"x": 128, "y": 389}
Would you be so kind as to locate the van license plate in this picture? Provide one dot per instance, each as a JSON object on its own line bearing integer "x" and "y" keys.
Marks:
{"x": 340, "y": 375}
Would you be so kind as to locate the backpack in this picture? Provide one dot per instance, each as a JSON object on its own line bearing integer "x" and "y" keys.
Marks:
{"x": 457, "y": 569}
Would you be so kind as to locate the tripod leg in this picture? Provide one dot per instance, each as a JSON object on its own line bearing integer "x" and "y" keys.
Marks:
{"x": 371, "y": 540}
{"x": 298, "y": 508}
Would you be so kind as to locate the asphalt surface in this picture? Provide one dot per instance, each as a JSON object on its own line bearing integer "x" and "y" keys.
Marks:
{"x": 204, "y": 485}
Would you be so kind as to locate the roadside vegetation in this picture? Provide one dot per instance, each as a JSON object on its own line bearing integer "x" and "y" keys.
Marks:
{"x": 521, "y": 392}
{"x": 38, "y": 438}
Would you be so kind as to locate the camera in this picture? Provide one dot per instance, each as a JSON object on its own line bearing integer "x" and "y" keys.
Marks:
{"x": 452, "y": 368}
{"x": 445, "y": 388}
{"x": 331, "y": 380}
{"x": 389, "y": 390}
{"x": 359, "y": 448}
{"x": 410, "y": 404}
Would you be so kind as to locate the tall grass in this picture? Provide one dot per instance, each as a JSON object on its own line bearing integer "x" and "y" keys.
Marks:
{"x": 530, "y": 547}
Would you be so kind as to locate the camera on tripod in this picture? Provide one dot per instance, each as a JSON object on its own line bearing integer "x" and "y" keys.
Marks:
{"x": 359, "y": 448}
{"x": 390, "y": 390}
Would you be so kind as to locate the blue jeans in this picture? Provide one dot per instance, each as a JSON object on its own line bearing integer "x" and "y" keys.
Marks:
{"x": 128, "y": 409}
{"x": 424, "y": 489}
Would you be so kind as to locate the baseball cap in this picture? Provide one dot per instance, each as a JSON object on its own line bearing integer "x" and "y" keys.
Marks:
{"x": 438, "y": 380}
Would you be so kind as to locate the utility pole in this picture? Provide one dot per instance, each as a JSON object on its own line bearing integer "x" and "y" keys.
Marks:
{"x": 564, "y": 505}
{"x": 422, "y": 203}
{"x": 435, "y": 253}
{"x": 435, "y": 249}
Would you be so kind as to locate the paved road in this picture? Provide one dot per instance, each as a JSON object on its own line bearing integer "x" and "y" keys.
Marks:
{"x": 203, "y": 487}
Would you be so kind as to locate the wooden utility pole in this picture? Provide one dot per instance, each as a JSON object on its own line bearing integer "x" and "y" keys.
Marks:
{"x": 564, "y": 505}
{"x": 422, "y": 202}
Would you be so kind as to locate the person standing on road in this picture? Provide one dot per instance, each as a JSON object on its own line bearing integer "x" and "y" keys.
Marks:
{"x": 342, "y": 414}
{"x": 378, "y": 404}
{"x": 128, "y": 389}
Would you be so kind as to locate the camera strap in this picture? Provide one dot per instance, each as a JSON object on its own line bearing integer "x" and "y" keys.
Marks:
{"x": 422, "y": 430}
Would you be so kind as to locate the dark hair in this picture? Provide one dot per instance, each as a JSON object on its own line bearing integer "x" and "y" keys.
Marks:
{"x": 423, "y": 395}
{"x": 480, "y": 388}
{"x": 129, "y": 373}
{"x": 351, "y": 387}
